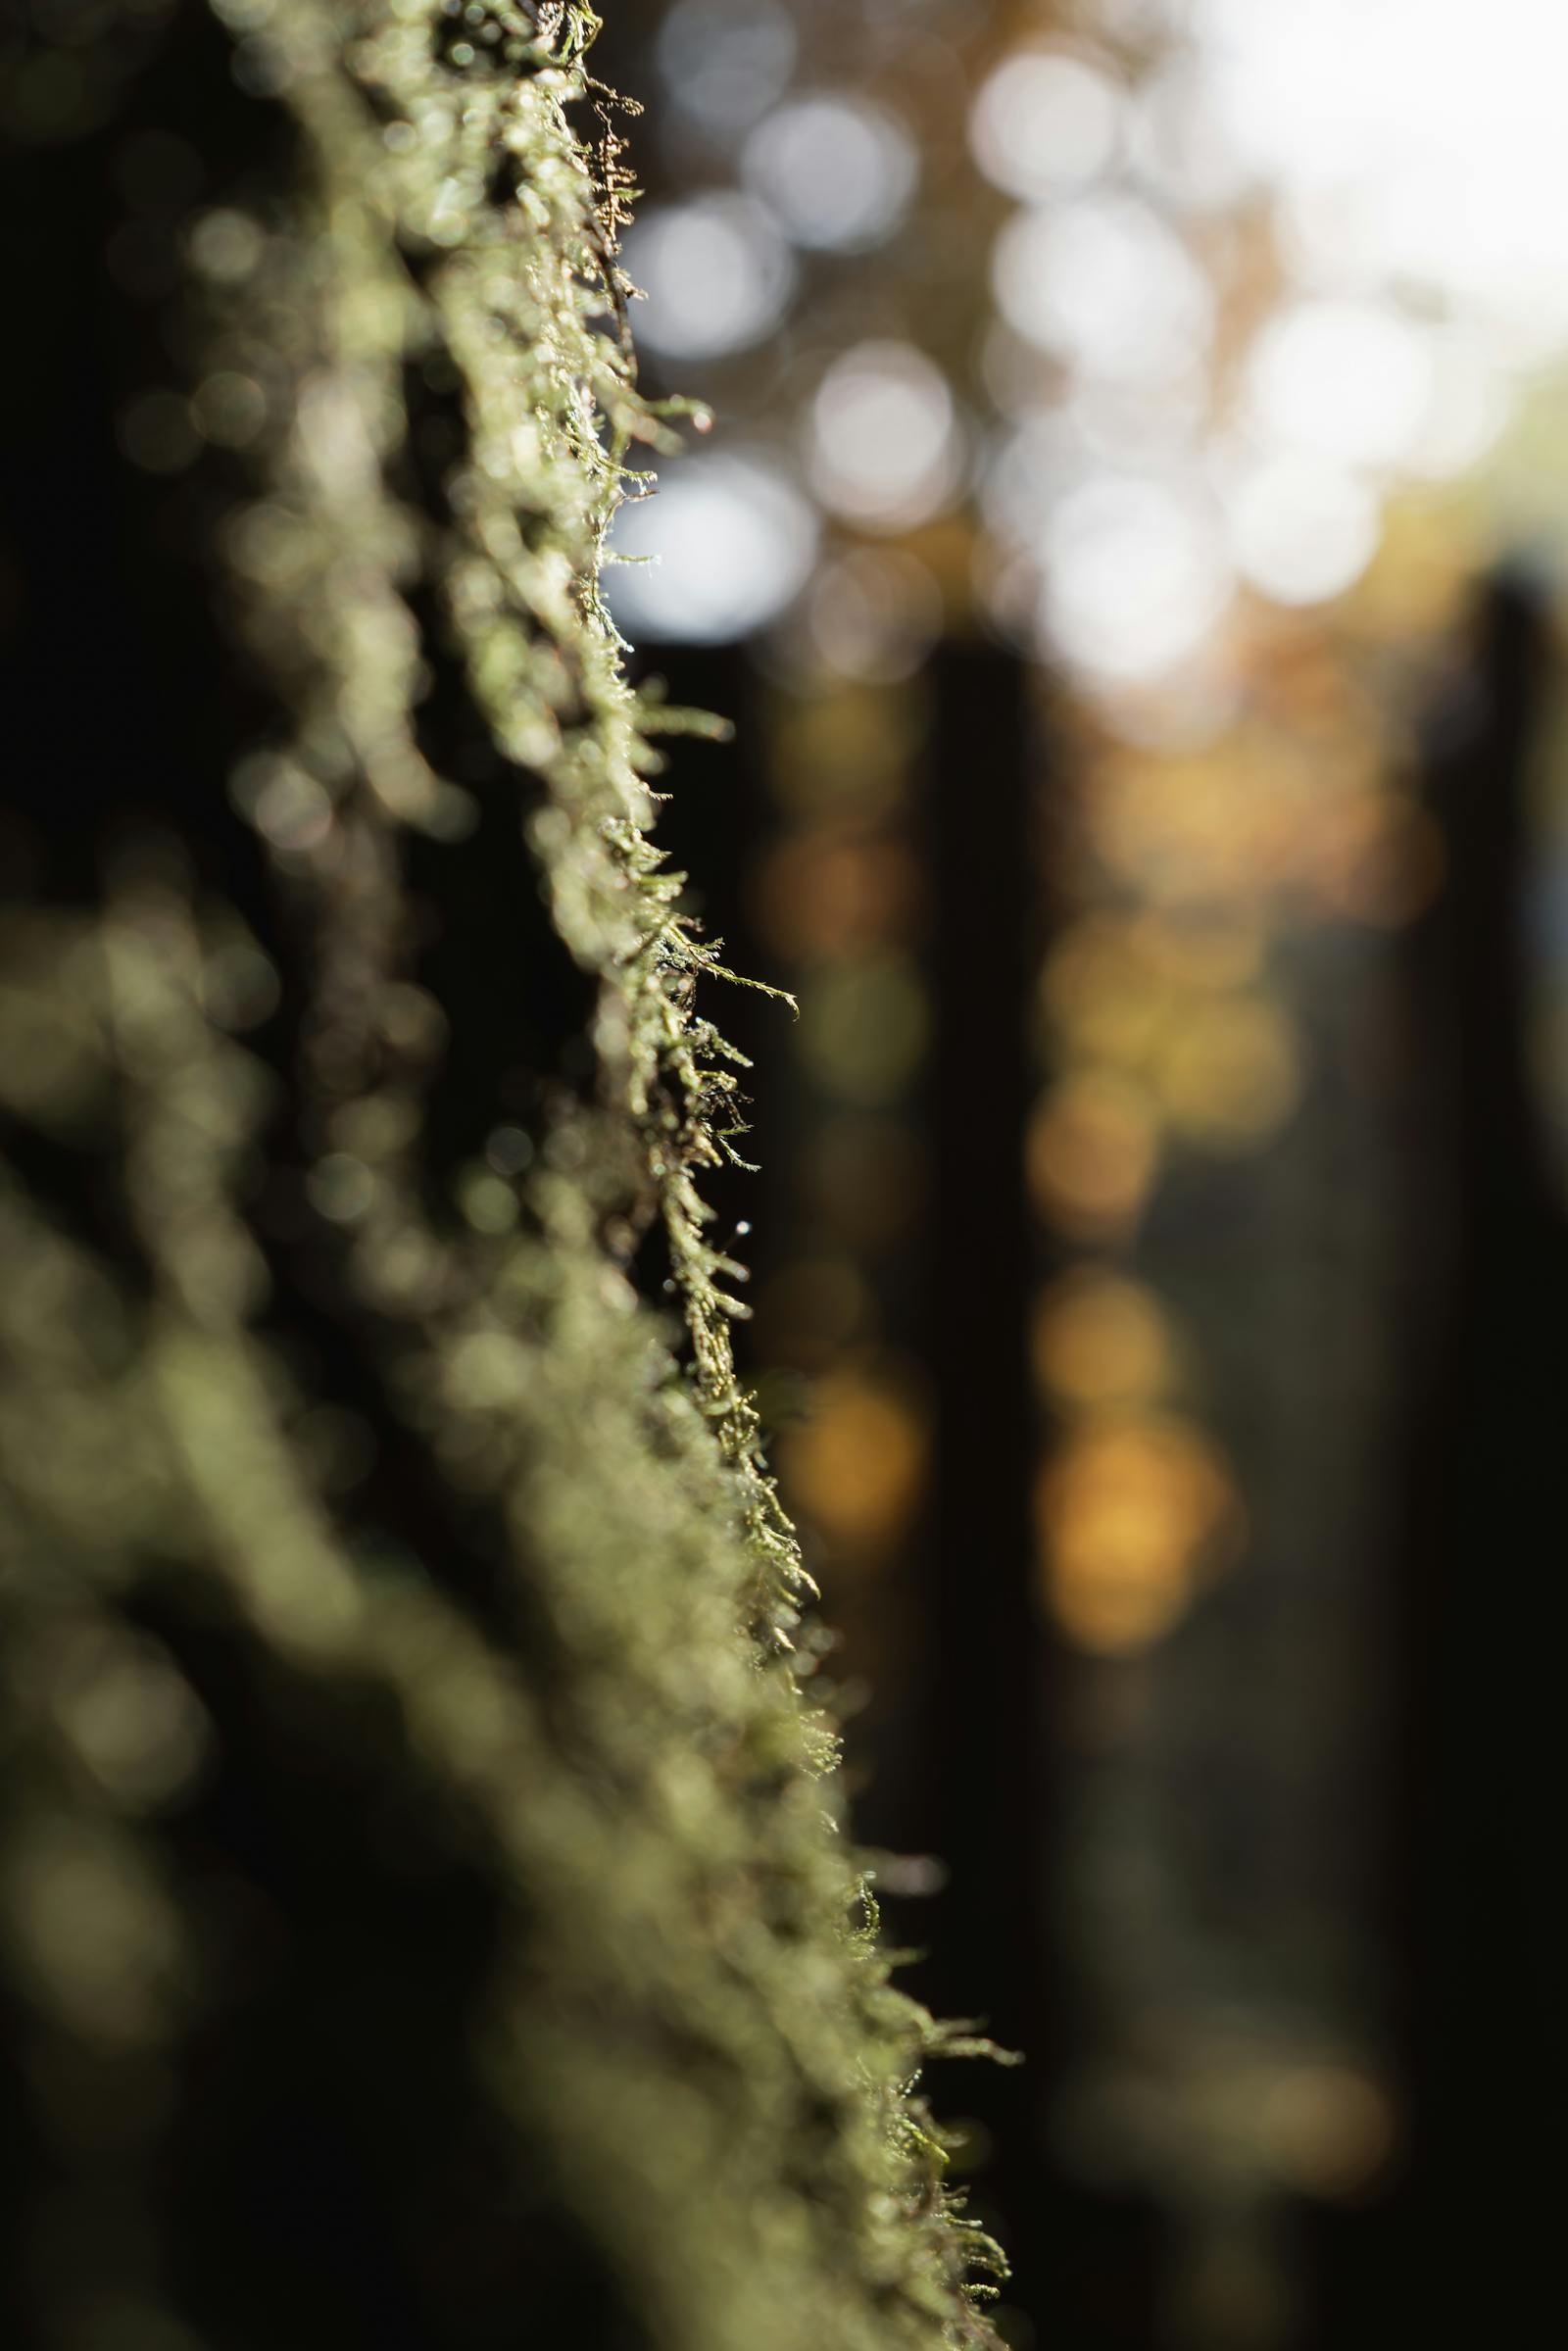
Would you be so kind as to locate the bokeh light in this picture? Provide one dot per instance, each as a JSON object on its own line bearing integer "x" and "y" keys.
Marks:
{"x": 1135, "y": 574}
{"x": 724, "y": 62}
{"x": 858, "y": 1464}
{"x": 725, "y": 544}
{"x": 1351, "y": 382}
{"x": 1106, "y": 286}
{"x": 1300, "y": 528}
{"x": 884, "y": 441}
{"x": 1045, "y": 123}
{"x": 1132, "y": 1512}
{"x": 838, "y": 173}
{"x": 716, "y": 274}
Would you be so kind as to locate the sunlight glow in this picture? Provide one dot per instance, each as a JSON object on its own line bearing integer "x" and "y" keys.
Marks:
{"x": 727, "y": 541}
{"x": 716, "y": 275}
{"x": 1104, "y": 283}
{"x": 837, "y": 172}
{"x": 884, "y": 445}
{"x": 1348, "y": 380}
{"x": 1410, "y": 159}
{"x": 1135, "y": 575}
{"x": 1045, "y": 123}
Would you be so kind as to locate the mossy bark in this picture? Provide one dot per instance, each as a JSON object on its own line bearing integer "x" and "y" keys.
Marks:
{"x": 424, "y": 1912}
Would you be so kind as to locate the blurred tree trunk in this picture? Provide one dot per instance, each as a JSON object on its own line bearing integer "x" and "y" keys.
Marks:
{"x": 1473, "y": 2239}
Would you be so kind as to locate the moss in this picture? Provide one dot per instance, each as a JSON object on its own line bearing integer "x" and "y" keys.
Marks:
{"x": 417, "y": 1811}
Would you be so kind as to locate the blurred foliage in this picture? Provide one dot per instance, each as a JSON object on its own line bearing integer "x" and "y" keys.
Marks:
{"x": 423, "y": 1912}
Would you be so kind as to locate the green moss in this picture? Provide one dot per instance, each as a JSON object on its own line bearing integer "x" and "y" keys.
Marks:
{"x": 569, "y": 1702}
